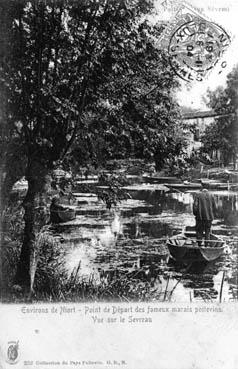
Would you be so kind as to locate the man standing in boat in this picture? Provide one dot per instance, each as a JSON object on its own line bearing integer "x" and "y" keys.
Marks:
{"x": 204, "y": 209}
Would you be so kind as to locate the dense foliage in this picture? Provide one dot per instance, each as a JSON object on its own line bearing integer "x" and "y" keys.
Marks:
{"x": 135, "y": 115}
{"x": 82, "y": 75}
{"x": 222, "y": 135}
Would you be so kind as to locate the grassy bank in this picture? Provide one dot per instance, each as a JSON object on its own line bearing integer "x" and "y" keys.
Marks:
{"x": 53, "y": 283}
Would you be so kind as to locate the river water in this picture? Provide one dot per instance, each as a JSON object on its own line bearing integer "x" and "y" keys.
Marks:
{"x": 109, "y": 244}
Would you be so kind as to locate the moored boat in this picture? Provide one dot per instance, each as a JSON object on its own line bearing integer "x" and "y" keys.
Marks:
{"x": 66, "y": 215}
{"x": 185, "y": 246}
{"x": 160, "y": 180}
{"x": 62, "y": 215}
{"x": 186, "y": 186}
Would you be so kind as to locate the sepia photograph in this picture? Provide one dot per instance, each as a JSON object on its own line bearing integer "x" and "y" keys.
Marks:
{"x": 118, "y": 171}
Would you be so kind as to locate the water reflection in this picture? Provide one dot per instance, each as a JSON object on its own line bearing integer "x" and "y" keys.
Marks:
{"x": 120, "y": 243}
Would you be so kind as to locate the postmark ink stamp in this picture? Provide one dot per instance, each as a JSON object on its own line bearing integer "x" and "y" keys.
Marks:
{"x": 195, "y": 45}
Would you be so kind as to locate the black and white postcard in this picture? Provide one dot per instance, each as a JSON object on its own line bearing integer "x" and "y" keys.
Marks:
{"x": 119, "y": 184}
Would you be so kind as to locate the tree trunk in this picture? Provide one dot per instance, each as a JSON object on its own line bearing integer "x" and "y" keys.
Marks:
{"x": 23, "y": 269}
{"x": 234, "y": 161}
{"x": 158, "y": 161}
{"x": 35, "y": 218}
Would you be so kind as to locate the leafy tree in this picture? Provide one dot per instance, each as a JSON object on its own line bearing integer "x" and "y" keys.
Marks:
{"x": 222, "y": 135}
{"x": 136, "y": 115}
{"x": 59, "y": 59}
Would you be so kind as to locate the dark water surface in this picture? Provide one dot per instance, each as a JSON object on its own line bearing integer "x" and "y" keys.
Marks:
{"x": 121, "y": 241}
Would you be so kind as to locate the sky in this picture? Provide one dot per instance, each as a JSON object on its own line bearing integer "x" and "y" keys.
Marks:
{"x": 224, "y": 13}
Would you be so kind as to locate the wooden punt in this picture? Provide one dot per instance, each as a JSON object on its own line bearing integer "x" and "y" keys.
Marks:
{"x": 62, "y": 215}
{"x": 196, "y": 186}
{"x": 185, "y": 246}
{"x": 66, "y": 214}
{"x": 160, "y": 180}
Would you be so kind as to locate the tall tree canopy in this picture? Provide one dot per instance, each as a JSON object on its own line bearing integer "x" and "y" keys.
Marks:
{"x": 222, "y": 135}
{"x": 135, "y": 114}
{"x": 85, "y": 72}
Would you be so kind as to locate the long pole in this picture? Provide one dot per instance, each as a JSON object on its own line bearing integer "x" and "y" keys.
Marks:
{"x": 166, "y": 289}
{"x": 222, "y": 282}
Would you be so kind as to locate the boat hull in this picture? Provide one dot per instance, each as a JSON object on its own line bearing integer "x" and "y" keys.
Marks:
{"x": 62, "y": 216}
{"x": 195, "y": 253}
{"x": 66, "y": 215}
{"x": 161, "y": 180}
{"x": 186, "y": 247}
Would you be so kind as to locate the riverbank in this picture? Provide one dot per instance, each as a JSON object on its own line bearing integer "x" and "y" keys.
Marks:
{"x": 96, "y": 256}
{"x": 114, "y": 255}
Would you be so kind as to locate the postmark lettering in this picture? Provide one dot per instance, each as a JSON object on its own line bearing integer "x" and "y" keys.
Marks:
{"x": 195, "y": 45}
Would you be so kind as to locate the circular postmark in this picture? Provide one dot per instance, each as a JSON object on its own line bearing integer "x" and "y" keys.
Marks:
{"x": 196, "y": 47}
